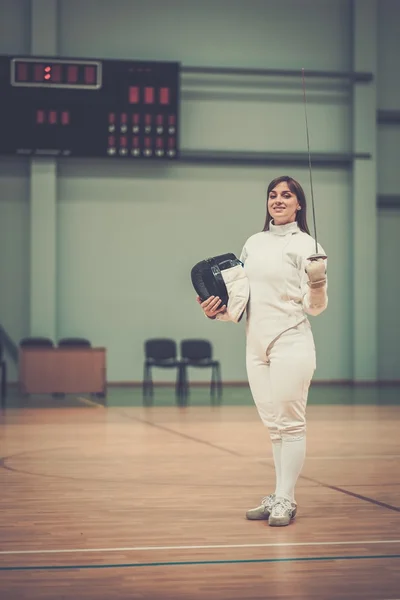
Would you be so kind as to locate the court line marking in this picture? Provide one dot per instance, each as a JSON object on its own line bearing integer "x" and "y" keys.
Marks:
{"x": 203, "y": 547}
{"x": 231, "y": 452}
{"x": 196, "y": 562}
{"x": 234, "y": 453}
{"x": 348, "y": 457}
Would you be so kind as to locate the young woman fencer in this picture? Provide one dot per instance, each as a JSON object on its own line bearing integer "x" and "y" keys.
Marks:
{"x": 285, "y": 285}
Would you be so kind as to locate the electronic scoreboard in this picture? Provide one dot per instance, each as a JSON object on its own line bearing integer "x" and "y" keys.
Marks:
{"x": 89, "y": 108}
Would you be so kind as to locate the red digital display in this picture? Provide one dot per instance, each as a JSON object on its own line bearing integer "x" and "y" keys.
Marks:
{"x": 22, "y": 72}
{"x": 133, "y": 94}
{"x": 90, "y": 75}
{"x": 40, "y": 117}
{"x": 65, "y": 117}
{"x": 53, "y": 117}
{"x": 164, "y": 95}
{"x": 56, "y": 73}
{"x": 149, "y": 95}
{"x": 38, "y": 73}
{"x": 72, "y": 74}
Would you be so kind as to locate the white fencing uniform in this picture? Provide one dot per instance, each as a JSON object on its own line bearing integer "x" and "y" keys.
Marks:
{"x": 280, "y": 351}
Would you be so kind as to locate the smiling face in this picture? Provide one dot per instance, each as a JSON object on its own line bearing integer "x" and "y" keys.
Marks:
{"x": 283, "y": 204}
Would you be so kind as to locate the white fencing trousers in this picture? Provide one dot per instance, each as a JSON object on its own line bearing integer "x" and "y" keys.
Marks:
{"x": 279, "y": 378}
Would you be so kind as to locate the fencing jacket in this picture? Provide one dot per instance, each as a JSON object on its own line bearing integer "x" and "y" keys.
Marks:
{"x": 280, "y": 297}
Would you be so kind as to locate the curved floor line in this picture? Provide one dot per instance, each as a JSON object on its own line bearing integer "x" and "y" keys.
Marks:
{"x": 6, "y": 467}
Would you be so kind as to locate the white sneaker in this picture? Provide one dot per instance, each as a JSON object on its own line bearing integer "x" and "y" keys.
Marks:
{"x": 263, "y": 511}
{"x": 282, "y": 512}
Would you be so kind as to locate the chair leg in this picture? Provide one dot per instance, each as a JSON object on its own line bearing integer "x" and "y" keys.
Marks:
{"x": 144, "y": 384}
{"x": 212, "y": 383}
{"x": 3, "y": 382}
{"x": 181, "y": 387}
{"x": 178, "y": 383}
{"x": 147, "y": 385}
{"x": 185, "y": 386}
{"x": 150, "y": 380}
{"x": 219, "y": 381}
{"x": 1, "y": 392}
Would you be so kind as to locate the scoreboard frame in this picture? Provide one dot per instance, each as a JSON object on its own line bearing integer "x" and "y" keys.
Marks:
{"x": 89, "y": 108}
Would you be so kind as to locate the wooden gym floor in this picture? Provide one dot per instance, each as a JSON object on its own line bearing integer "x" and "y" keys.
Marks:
{"x": 126, "y": 502}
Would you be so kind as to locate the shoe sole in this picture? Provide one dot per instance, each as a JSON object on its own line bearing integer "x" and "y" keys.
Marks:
{"x": 277, "y": 523}
{"x": 263, "y": 517}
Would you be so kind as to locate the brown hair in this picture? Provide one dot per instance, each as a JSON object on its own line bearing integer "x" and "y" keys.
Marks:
{"x": 295, "y": 187}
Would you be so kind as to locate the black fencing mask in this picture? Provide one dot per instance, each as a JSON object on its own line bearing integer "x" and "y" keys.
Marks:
{"x": 222, "y": 276}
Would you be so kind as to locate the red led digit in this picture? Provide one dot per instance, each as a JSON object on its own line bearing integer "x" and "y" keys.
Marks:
{"x": 111, "y": 118}
{"x": 124, "y": 118}
{"x": 38, "y": 72}
{"x": 123, "y": 141}
{"x": 111, "y": 140}
{"x": 147, "y": 142}
{"x": 171, "y": 142}
{"x": 136, "y": 118}
{"x": 90, "y": 75}
{"x": 159, "y": 142}
{"x": 164, "y": 95}
{"x": 171, "y": 119}
{"x": 53, "y": 117}
{"x": 133, "y": 94}
{"x": 72, "y": 74}
{"x": 40, "y": 117}
{"x": 65, "y": 117}
{"x": 56, "y": 73}
{"x": 135, "y": 142}
{"x": 159, "y": 119}
{"x": 147, "y": 119}
{"x": 149, "y": 95}
{"x": 22, "y": 72}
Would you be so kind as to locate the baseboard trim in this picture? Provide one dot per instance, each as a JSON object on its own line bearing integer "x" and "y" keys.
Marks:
{"x": 320, "y": 382}
{"x": 327, "y": 382}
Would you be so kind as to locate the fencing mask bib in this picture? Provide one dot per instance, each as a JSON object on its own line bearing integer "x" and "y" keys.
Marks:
{"x": 223, "y": 276}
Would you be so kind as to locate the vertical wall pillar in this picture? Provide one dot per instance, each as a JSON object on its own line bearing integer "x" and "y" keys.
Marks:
{"x": 43, "y": 194}
{"x": 364, "y": 195}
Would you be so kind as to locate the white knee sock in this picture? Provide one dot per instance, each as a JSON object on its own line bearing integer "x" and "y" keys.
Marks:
{"x": 293, "y": 453}
{"x": 277, "y": 452}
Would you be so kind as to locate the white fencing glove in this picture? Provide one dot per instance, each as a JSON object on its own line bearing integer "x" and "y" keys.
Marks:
{"x": 316, "y": 271}
{"x": 317, "y": 282}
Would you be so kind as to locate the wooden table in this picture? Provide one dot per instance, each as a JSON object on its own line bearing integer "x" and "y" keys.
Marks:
{"x": 62, "y": 370}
